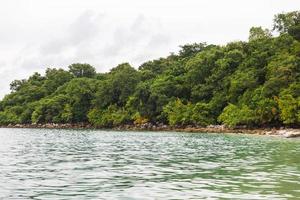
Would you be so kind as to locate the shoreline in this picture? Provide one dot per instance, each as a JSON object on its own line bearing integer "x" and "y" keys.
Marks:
{"x": 269, "y": 131}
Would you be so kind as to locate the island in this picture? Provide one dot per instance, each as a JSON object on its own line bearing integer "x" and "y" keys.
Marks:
{"x": 243, "y": 85}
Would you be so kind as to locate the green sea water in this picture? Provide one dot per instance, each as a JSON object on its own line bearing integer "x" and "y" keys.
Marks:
{"x": 94, "y": 164}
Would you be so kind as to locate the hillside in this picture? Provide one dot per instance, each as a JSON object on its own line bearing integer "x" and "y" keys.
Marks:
{"x": 254, "y": 83}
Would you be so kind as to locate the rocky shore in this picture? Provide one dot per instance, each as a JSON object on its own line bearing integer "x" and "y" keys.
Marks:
{"x": 282, "y": 132}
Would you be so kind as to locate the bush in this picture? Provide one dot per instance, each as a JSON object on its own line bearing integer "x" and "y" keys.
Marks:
{"x": 202, "y": 114}
{"x": 233, "y": 115}
{"x": 178, "y": 113}
{"x": 112, "y": 116}
{"x": 289, "y": 109}
{"x": 138, "y": 119}
{"x": 8, "y": 117}
{"x": 50, "y": 110}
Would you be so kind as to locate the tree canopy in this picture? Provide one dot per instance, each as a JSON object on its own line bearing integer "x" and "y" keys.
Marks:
{"x": 251, "y": 83}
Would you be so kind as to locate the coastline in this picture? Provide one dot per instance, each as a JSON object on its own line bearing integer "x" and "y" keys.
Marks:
{"x": 270, "y": 131}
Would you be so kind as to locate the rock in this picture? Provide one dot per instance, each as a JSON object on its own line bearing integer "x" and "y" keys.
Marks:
{"x": 266, "y": 133}
{"x": 292, "y": 134}
{"x": 288, "y": 133}
{"x": 221, "y": 127}
{"x": 164, "y": 126}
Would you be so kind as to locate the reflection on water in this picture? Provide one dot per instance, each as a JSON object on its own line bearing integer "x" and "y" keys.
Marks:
{"x": 76, "y": 164}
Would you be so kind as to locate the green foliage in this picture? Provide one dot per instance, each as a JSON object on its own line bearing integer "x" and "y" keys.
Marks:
{"x": 17, "y": 85}
{"x": 202, "y": 114}
{"x": 119, "y": 84}
{"x": 254, "y": 83}
{"x": 281, "y": 72}
{"x": 189, "y": 50}
{"x": 179, "y": 113}
{"x": 80, "y": 92}
{"x": 112, "y": 116}
{"x": 143, "y": 102}
{"x": 289, "y": 104}
{"x": 234, "y": 115}
{"x": 258, "y": 33}
{"x": 267, "y": 111}
{"x": 157, "y": 67}
{"x": 290, "y": 109}
{"x": 294, "y": 31}
{"x": 25, "y": 116}
{"x": 67, "y": 115}
{"x": 240, "y": 82}
{"x": 82, "y": 70}
{"x": 8, "y": 117}
{"x": 284, "y": 21}
{"x": 50, "y": 110}
{"x": 138, "y": 119}
{"x": 25, "y": 95}
{"x": 55, "y": 78}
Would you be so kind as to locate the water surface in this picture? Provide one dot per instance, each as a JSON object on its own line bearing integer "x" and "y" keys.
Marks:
{"x": 86, "y": 164}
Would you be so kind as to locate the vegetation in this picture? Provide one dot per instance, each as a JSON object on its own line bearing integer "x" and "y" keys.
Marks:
{"x": 254, "y": 83}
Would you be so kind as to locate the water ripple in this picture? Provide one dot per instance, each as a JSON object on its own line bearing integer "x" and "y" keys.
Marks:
{"x": 77, "y": 164}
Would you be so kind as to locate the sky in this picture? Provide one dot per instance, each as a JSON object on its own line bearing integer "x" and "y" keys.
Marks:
{"x": 37, "y": 34}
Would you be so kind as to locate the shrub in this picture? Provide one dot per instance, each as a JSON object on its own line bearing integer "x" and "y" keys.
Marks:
{"x": 233, "y": 115}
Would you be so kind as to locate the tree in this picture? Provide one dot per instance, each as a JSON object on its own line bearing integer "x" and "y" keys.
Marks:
{"x": 112, "y": 116}
{"x": 119, "y": 84}
{"x": 289, "y": 104}
{"x": 284, "y": 21}
{"x": 240, "y": 81}
{"x": 253, "y": 83}
{"x": 294, "y": 31}
{"x": 50, "y": 110}
{"x": 257, "y": 33}
{"x": 202, "y": 114}
{"x": 36, "y": 79}
{"x": 282, "y": 70}
{"x": 17, "y": 84}
{"x": 80, "y": 92}
{"x": 8, "y": 117}
{"x": 178, "y": 113}
{"x": 82, "y": 70}
{"x": 234, "y": 115}
{"x": 189, "y": 50}
{"x": 289, "y": 109}
{"x": 55, "y": 78}
{"x": 142, "y": 102}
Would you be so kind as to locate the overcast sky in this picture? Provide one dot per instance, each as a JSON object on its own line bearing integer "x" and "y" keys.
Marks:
{"x": 36, "y": 34}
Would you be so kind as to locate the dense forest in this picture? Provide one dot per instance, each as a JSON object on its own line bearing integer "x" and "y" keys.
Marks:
{"x": 254, "y": 83}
